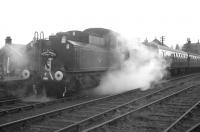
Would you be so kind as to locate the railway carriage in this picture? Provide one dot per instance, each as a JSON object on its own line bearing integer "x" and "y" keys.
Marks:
{"x": 180, "y": 61}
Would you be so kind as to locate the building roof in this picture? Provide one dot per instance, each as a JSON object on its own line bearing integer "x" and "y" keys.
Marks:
{"x": 157, "y": 42}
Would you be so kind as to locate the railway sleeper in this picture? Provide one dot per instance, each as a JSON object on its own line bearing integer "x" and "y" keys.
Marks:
{"x": 161, "y": 111}
{"x": 189, "y": 122}
{"x": 187, "y": 100}
{"x": 13, "y": 110}
{"x": 53, "y": 122}
{"x": 98, "y": 109}
{"x": 17, "y": 109}
{"x": 12, "y": 105}
{"x": 21, "y": 104}
{"x": 164, "y": 116}
{"x": 63, "y": 119}
{"x": 74, "y": 117}
{"x": 177, "y": 104}
{"x": 108, "y": 106}
{"x": 9, "y": 103}
{"x": 188, "y": 103}
{"x": 116, "y": 102}
{"x": 181, "y": 108}
{"x": 2, "y": 112}
{"x": 174, "y": 108}
{"x": 163, "y": 107}
{"x": 7, "y": 107}
{"x": 147, "y": 129}
{"x": 131, "y": 125}
{"x": 148, "y": 118}
{"x": 111, "y": 104}
{"x": 187, "y": 125}
{"x": 87, "y": 113}
{"x": 149, "y": 125}
{"x": 179, "y": 113}
{"x": 28, "y": 107}
{"x": 196, "y": 115}
{"x": 16, "y": 127}
{"x": 42, "y": 128}
{"x": 40, "y": 105}
{"x": 172, "y": 112}
{"x": 182, "y": 127}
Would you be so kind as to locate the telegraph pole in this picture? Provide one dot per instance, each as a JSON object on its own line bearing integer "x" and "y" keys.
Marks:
{"x": 162, "y": 39}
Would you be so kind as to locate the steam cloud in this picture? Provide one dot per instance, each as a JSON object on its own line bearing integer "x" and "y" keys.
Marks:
{"x": 18, "y": 61}
{"x": 17, "y": 55}
{"x": 140, "y": 70}
{"x": 34, "y": 98}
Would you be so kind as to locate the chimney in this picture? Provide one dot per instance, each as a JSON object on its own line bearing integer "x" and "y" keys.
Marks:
{"x": 8, "y": 40}
{"x": 188, "y": 41}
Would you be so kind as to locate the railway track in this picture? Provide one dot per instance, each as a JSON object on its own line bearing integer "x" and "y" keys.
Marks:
{"x": 154, "y": 116}
{"x": 18, "y": 105}
{"x": 9, "y": 105}
{"x": 195, "y": 128}
{"x": 188, "y": 122}
{"x": 89, "y": 112}
{"x": 7, "y": 98}
{"x": 15, "y": 105}
{"x": 134, "y": 104}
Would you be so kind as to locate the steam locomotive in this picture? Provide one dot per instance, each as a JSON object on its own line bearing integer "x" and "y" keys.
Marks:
{"x": 74, "y": 61}
{"x": 65, "y": 63}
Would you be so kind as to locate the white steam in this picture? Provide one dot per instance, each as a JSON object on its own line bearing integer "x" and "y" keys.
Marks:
{"x": 16, "y": 54}
{"x": 34, "y": 98}
{"x": 140, "y": 70}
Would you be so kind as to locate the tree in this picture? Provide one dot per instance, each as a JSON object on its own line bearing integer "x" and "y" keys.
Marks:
{"x": 191, "y": 47}
{"x": 187, "y": 47}
{"x": 177, "y": 47}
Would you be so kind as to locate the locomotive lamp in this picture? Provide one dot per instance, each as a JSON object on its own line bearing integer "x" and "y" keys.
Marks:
{"x": 58, "y": 75}
{"x": 8, "y": 40}
{"x": 25, "y": 74}
{"x": 49, "y": 54}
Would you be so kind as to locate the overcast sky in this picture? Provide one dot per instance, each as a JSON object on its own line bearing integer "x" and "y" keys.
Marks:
{"x": 175, "y": 19}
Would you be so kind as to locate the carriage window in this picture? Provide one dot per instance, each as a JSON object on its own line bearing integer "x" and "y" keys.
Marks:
{"x": 163, "y": 53}
{"x": 67, "y": 46}
{"x": 73, "y": 33}
{"x": 64, "y": 39}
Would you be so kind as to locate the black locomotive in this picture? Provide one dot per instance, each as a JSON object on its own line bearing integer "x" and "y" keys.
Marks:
{"x": 64, "y": 63}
